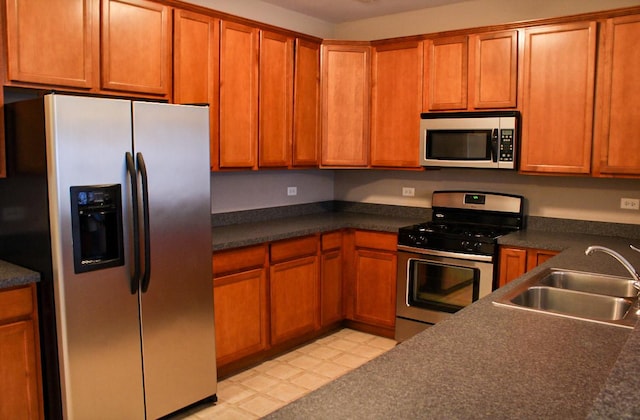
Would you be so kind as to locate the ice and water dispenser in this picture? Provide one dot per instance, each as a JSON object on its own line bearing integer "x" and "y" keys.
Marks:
{"x": 96, "y": 220}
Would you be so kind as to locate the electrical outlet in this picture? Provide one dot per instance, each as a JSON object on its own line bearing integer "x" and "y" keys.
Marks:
{"x": 630, "y": 203}
{"x": 292, "y": 191}
{"x": 408, "y": 191}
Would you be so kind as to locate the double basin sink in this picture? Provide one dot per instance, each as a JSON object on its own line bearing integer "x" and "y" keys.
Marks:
{"x": 591, "y": 297}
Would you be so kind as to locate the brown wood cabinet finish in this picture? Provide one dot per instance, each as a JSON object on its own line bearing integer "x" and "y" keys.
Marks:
{"x": 331, "y": 267}
{"x": 493, "y": 69}
{"x": 396, "y": 103}
{"x": 514, "y": 262}
{"x": 446, "y": 73}
{"x": 196, "y": 78}
{"x": 35, "y": 52}
{"x": 238, "y": 96}
{"x": 306, "y": 104}
{"x": 136, "y": 47}
{"x": 20, "y": 376}
{"x": 616, "y": 142}
{"x": 241, "y": 309}
{"x": 558, "y": 97}
{"x": 276, "y": 100}
{"x": 345, "y": 80}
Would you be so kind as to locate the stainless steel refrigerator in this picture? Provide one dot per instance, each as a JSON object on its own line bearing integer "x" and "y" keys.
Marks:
{"x": 109, "y": 199}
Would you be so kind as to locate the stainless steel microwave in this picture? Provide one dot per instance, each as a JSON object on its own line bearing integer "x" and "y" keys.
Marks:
{"x": 485, "y": 139}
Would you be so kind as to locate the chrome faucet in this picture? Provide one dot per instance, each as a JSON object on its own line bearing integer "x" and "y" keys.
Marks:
{"x": 620, "y": 258}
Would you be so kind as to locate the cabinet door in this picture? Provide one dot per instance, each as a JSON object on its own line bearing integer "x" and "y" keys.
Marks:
{"x": 306, "y": 104}
{"x": 446, "y": 73}
{"x": 375, "y": 287}
{"x": 195, "y": 67}
{"x": 513, "y": 264}
{"x": 345, "y": 105}
{"x": 276, "y": 100}
{"x": 396, "y": 104}
{"x": 19, "y": 374}
{"x": 617, "y": 144}
{"x": 493, "y": 69}
{"x": 53, "y": 42}
{"x": 294, "y": 298}
{"x": 331, "y": 266}
{"x": 136, "y": 47}
{"x": 240, "y": 307}
{"x": 535, "y": 257}
{"x": 557, "y": 113}
{"x": 238, "y": 96}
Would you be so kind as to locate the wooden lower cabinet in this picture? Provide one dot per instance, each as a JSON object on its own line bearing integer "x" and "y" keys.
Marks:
{"x": 514, "y": 262}
{"x": 240, "y": 303}
{"x": 294, "y": 286}
{"x": 20, "y": 375}
{"x": 331, "y": 285}
{"x": 372, "y": 280}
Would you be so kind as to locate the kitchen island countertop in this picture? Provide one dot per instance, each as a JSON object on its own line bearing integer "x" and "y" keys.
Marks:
{"x": 12, "y": 275}
{"x": 495, "y": 362}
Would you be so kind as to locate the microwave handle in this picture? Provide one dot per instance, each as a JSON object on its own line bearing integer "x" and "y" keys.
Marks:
{"x": 495, "y": 144}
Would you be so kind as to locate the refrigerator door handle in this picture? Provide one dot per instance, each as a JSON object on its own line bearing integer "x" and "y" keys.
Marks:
{"x": 131, "y": 170}
{"x": 146, "y": 276}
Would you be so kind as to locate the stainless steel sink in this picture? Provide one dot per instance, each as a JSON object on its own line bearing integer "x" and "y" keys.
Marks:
{"x": 586, "y": 296}
{"x": 590, "y": 282}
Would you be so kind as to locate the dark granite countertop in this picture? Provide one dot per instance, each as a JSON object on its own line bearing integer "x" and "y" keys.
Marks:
{"x": 495, "y": 362}
{"x": 12, "y": 275}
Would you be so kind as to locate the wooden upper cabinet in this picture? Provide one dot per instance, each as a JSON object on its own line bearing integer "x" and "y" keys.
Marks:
{"x": 53, "y": 42}
{"x": 238, "y": 96}
{"x": 136, "y": 47}
{"x": 558, "y": 98}
{"x": 493, "y": 69}
{"x": 396, "y": 103}
{"x": 617, "y": 144}
{"x": 276, "y": 100}
{"x": 306, "y": 104}
{"x": 345, "y": 80}
{"x": 446, "y": 73}
{"x": 195, "y": 67}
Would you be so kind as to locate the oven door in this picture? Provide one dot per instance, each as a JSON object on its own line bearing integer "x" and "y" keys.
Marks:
{"x": 432, "y": 284}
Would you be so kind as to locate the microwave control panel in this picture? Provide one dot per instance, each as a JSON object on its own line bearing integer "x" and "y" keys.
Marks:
{"x": 506, "y": 145}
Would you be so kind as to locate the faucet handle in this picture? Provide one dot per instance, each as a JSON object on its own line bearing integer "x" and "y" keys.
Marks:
{"x": 634, "y": 248}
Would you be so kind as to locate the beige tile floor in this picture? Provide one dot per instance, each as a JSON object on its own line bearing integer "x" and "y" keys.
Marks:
{"x": 265, "y": 388}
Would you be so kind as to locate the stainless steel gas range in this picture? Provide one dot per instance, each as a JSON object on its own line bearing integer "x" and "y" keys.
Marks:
{"x": 449, "y": 262}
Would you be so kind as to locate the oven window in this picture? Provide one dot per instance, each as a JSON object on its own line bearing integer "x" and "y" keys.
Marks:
{"x": 459, "y": 144}
{"x": 442, "y": 287}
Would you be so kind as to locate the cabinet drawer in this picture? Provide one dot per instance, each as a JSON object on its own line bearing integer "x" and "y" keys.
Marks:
{"x": 376, "y": 240}
{"x": 239, "y": 259}
{"x": 15, "y": 303}
{"x": 293, "y": 248}
{"x": 331, "y": 240}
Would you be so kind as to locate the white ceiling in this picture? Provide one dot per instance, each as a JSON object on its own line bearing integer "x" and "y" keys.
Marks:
{"x": 338, "y": 11}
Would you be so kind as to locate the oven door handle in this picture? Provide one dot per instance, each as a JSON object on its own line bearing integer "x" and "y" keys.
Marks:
{"x": 447, "y": 254}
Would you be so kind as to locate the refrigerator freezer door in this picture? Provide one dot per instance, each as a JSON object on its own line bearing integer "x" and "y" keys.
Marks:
{"x": 177, "y": 309}
{"x": 97, "y": 316}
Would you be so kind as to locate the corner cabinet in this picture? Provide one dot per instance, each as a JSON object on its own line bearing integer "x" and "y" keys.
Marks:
{"x": 396, "y": 103}
{"x": 558, "y": 98}
{"x": 331, "y": 286}
{"x": 240, "y": 303}
{"x": 616, "y": 142}
{"x": 196, "y": 76}
{"x": 306, "y": 104}
{"x": 345, "y": 79}
{"x": 20, "y": 375}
